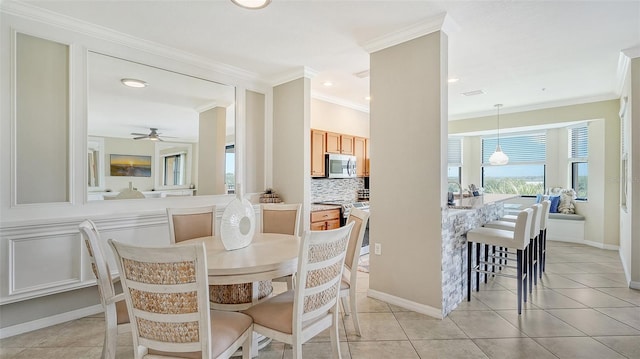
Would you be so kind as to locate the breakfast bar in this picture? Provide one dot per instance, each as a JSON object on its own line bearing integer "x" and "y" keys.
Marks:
{"x": 466, "y": 214}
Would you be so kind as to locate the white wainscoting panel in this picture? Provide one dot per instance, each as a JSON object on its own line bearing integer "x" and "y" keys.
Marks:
{"x": 41, "y": 262}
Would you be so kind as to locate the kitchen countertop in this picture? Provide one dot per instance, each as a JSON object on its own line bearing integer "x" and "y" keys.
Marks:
{"x": 324, "y": 207}
{"x": 468, "y": 203}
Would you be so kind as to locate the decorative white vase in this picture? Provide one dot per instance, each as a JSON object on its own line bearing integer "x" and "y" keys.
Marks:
{"x": 238, "y": 223}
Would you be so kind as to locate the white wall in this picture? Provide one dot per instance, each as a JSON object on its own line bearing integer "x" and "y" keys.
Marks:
{"x": 336, "y": 118}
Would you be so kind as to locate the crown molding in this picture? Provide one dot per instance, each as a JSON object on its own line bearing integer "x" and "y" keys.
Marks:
{"x": 535, "y": 107}
{"x": 300, "y": 72}
{"x": 339, "y": 101}
{"x": 35, "y": 13}
{"x": 442, "y": 22}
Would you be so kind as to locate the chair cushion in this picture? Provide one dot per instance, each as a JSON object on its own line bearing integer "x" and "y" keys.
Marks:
{"x": 121, "y": 312}
{"x": 275, "y": 313}
{"x": 344, "y": 285}
{"x": 189, "y": 226}
{"x": 226, "y": 328}
{"x": 497, "y": 237}
{"x": 507, "y": 226}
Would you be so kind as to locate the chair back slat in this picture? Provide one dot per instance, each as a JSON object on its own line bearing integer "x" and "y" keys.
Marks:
{"x": 280, "y": 218}
{"x": 189, "y": 223}
{"x": 167, "y": 294}
{"x": 320, "y": 263}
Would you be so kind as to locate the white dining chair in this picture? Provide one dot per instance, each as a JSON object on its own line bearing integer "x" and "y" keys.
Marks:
{"x": 284, "y": 219}
{"x": 116, "y": 316}
{"x": 297, "y": 315}
{"x": 168, "y": 300}
{"x": 359, "y": 219}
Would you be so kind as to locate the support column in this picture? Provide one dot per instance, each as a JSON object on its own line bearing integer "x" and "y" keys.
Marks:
{"x": 292, "y": 143}
{"x": 408, "y": 171}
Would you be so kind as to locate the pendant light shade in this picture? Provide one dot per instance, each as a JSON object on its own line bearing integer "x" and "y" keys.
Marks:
{"x": 252, "y": 4}
{"x": 498, "y": 158}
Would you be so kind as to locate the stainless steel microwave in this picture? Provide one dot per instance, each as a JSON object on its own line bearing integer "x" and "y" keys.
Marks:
{"x": 340, "y": 166}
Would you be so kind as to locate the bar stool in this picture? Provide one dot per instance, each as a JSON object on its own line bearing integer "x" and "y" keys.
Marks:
{"x": 518, "y": 239}
{"x": 542, "y": 241}
{"x": 542, "y": 236}
{"x": 534, "y": 231}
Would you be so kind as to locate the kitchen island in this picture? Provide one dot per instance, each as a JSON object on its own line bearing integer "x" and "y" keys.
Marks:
{"x": 468, "y": 213}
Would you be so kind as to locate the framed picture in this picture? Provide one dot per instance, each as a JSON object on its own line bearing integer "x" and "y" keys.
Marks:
{"x": 130, "y": 165}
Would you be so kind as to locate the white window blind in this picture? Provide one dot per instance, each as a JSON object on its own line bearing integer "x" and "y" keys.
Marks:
{"x": 454, "y": 150}
{"x": 579, "y": 143}
{"x": 521, "y": 149}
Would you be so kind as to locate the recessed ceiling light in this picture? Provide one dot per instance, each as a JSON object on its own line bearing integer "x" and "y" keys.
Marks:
{"x": 252, "y": 4}
{"x": 368, "y": 98}
{"x": 134, "y": 83}
{"x": 328, "y": 83}
{"x": 474, "y": 93}
{"x": 452, "y": 80}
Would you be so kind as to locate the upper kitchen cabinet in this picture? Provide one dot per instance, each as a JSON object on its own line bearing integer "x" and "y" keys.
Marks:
{"x": 318, "y": 149}
{"x": 360, "y": 150}
{"x": 338, "y": 143}
{"x": 346, "y": 145}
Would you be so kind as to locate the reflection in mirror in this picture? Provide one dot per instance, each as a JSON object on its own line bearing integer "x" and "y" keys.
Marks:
{"x": 185, "y": 124}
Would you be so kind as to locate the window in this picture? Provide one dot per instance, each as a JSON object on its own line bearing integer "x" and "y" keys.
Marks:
{"x": 230, "y": 164}
{"x": 525, "y": 172}
{"x": 454, "y": 172}
{"x": 174, "y": 169}
{"x": 578, "y": 158}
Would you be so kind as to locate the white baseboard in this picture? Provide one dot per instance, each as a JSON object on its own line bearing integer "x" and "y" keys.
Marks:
{"x": 634, "y": 285}
{"x": 404, "y": 303}
{"x": 609, "y": 247}
{"x": 49, "y": 321}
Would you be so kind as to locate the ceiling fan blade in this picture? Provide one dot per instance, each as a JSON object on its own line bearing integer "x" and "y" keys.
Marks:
{"x": 140, "y": 138}
{"x": 138, "y": 134}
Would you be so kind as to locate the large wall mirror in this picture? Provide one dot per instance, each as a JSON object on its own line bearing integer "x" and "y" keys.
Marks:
{"x": 157, "y": 133}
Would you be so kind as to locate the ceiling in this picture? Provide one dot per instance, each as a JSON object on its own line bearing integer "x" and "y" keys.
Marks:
{"x": 524, "y": 54}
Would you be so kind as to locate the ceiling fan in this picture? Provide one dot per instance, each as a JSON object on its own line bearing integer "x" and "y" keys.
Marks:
{"x": 153, "y": 135}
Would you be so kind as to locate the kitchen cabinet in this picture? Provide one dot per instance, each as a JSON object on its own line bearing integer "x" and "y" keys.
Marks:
{"x": 326, "y": 219}
{"x": 318, "y": 149}
{"x": 333, "y": 143}
{"x": 360, "y": 151}
{"x": 346, "y": 144}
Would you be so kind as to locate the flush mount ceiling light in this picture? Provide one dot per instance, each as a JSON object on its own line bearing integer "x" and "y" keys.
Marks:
{"x": 134, "y": 83}
{"x": 368, "y": 98}
{"x": 252, "y": 4}
{"x": 498, "y": 158}
{"x": 452, "y": 80}
{"x": 328, "y": 83}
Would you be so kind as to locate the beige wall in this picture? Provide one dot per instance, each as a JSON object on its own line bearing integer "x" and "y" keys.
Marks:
{"x": 211, "y": 145}
{"x": 255, "y": 142}
{"x": 408, "y": 170}
{"x": 602, "y": 207}
{"x": 335, "y": 118}
{"x": 292, "y": 144}
{"x": 42, "y": 118}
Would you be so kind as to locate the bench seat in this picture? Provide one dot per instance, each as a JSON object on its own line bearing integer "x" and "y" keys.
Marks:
{"x": 567, "y": 217}
{"x": 566, "y": 227}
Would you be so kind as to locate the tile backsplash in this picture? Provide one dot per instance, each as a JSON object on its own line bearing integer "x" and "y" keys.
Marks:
{"x": 329, "y": 189}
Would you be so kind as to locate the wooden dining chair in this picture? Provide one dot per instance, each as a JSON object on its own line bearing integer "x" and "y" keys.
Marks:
{"x": 168, "y": 301}
{"x": 116, "y": 317}
{"x": 189, "y": 223}
{"x": 295, "y": 316}
{"x": 284, "y": 219}
{"x": 348, "y": 285}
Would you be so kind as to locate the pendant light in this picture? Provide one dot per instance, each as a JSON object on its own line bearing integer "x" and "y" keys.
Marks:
{"x": 252, "y": 4}
{"x": 498, "y": 158}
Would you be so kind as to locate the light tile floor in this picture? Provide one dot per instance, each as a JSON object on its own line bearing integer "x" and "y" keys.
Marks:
{"x": 580, "y": 309}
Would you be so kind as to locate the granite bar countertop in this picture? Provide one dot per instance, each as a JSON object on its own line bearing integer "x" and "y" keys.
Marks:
{"x": 469, "y": 203}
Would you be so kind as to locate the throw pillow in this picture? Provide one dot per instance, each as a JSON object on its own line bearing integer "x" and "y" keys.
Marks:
{"x": 538, "y": 198}
{"x": 555, "y": 201}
